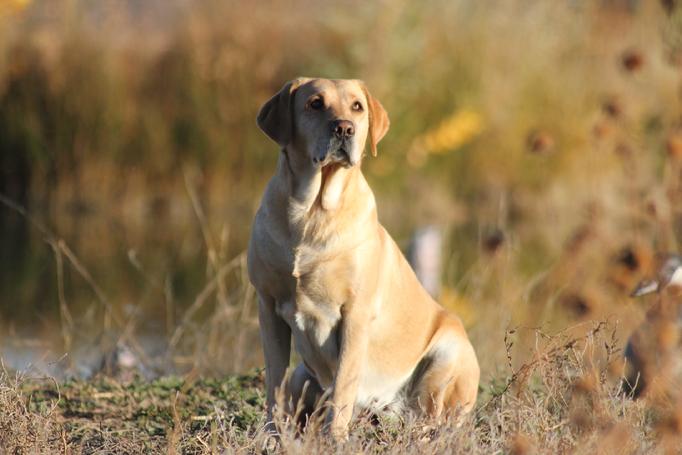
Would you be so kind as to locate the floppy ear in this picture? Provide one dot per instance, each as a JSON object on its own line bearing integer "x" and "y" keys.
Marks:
{"x": 276, "y": 115}
{"x": 378, "y": 121}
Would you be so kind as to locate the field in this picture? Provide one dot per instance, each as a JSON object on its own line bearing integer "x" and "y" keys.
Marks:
{"x": 563, "y": 400}
{"x": 543, "y": 140}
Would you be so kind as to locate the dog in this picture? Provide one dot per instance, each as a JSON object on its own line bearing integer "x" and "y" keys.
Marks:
{"x": 653, "y": 353}
{"x": 328, "y": 275}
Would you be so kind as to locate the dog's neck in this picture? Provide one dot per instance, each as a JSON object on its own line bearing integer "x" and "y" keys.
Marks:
{"x": 313, "y": 187}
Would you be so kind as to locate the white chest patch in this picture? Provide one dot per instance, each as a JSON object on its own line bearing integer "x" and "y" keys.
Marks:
{"x": 380, "y": 392}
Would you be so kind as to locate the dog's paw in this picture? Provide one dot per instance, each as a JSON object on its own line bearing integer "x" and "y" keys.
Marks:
{"x": 427, "y": 433}
{"x": 336, "y": 428}
{"x": 339, "y": 433}
{"x": 270, "y": 439}
{"x": 340, "y": 436}
{"x": 270, "y": 444}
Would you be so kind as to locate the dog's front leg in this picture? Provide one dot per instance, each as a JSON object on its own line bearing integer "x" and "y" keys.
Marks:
{"x": 354, "y": 337}
{"x": 276, "y": 339}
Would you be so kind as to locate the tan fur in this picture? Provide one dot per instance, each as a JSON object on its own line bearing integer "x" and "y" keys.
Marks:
{"x": 329, "y": 276}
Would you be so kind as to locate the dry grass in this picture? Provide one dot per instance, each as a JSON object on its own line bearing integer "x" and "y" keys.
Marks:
{"x": 566, "y": 399}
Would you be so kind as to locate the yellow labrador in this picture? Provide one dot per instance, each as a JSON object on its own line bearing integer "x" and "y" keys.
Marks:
{"x": 329, "y": 275}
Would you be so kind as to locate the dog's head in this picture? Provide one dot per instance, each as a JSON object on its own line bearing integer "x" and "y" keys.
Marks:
{"x": 330, "y": 121}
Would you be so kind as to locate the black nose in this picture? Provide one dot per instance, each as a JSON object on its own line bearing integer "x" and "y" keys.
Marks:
{"x": 343, "y": 128}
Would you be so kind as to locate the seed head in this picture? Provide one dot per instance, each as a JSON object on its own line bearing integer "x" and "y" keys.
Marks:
{"x": 579, "y": 304}
{"x": 632, "y": 60}
{"x": 613, "y": 107}
{"x": 493, "y": 241}
{"x": 540, "y": 142}
{"x": 673, "y": 146}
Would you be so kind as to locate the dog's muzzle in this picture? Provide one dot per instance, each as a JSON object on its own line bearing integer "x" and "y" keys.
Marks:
{"x": 337, "y": 152}
{"x": 340, "y": 148}
{"x": 336, "y": 156}
{"x": 342, "y": 156}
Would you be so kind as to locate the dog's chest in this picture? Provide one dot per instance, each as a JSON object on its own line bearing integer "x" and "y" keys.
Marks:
{"x": 315, "y": 330}
{"x": 322, "y": 286}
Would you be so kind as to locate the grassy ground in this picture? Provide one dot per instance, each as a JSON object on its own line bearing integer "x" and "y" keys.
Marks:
{"x": 133, "y": 416}
{"x": 566, "y": 399}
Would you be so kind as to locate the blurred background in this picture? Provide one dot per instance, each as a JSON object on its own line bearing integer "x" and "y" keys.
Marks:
{"x": 541, "y": 140}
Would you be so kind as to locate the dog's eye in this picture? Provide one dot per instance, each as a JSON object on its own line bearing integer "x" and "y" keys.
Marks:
{"x": 317, "y": 103}
{"x": 357, "y": 106}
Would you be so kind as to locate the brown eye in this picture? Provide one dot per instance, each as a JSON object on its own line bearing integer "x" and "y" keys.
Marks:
{"x": 317, "y": 103}
{"x": 357, "y": 106}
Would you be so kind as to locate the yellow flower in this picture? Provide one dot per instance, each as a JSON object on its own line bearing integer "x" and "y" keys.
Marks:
{"x": 452, "y": 133}
{"x": 13, "y": 6}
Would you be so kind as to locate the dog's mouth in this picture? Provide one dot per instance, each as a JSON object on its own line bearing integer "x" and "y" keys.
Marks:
{"x": 338, "y": 153}
{"x": 337, "y": 158}
{"x": 341, "y": 157}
